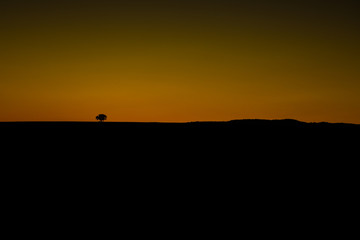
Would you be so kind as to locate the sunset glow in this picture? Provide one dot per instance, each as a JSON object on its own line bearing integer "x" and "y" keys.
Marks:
{"x": 178, "y": 61}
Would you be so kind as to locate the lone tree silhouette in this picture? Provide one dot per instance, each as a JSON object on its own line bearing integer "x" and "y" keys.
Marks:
{"x": 101, "y": 117}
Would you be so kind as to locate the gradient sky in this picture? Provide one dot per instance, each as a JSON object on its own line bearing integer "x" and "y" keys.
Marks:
{"x": 179, "y": 60}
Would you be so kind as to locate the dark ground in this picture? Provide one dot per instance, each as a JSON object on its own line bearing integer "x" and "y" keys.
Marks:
{"x": 275, "y": 171}
{"x": 234, "y": 142}
{"x": 226, "y": 149}
{"x": 275, "y": 136}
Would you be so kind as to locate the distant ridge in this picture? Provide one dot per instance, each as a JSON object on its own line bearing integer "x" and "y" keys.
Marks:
{"x": 237, "y": 141}
{"x": 254, "y": 121}
{"x": 276, "y": 121}
{"x": 234, "y": 121}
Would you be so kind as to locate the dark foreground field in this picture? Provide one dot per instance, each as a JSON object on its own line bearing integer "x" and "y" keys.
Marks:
{"x": 237, "y": 141}
{"x": 269, "y": 177}
{"x": 257, "y": 148}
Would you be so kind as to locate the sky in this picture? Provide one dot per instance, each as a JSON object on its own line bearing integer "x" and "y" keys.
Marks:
{"x": 180, "y": 60}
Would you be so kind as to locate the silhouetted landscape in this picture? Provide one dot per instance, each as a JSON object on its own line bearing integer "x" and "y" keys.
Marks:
{"x": 237, "y": 138}
{"x": 252, "y": 128}
{"x": 255, "y": 149}
{"x": 262, "y": 166}
{"x": 263, "y": 144}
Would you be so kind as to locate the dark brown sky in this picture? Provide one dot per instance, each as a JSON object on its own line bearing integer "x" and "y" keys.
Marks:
{"x": 180, "y": 60}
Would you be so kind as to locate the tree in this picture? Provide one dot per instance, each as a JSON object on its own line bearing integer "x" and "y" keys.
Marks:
{"x": 101, "y": 117}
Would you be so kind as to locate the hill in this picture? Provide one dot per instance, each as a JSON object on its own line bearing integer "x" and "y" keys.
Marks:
{"x": 266, "y": 167}
{"x": 237, "y": 137}
{"x": 176, "y": 131}
{"x": 266, "y": 143}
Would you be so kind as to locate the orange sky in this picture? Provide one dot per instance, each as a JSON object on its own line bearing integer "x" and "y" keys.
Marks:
{"x": 179, "y": 61}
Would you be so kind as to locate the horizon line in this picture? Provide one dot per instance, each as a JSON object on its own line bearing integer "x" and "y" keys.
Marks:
{"x": 196, "y": 121}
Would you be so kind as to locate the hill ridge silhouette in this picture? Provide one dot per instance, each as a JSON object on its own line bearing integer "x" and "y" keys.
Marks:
{"x": 245, "y": 120}
{"x": 257, "y": 133}
{"x": 232, "y": 153}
